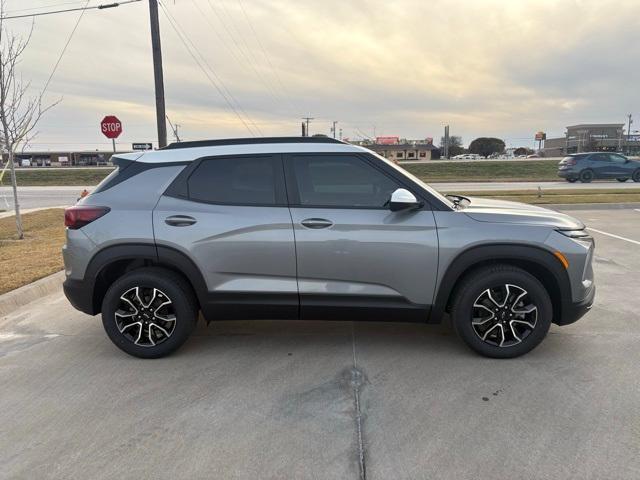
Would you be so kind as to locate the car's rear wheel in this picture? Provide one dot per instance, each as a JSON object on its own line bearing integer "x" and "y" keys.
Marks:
{"x": 636, "y": 176}
{"x": 586, "y": 176}
{"x": 622, "y": 180}
{"x": 501, "y": 311}
{"x": 149, "y": 312}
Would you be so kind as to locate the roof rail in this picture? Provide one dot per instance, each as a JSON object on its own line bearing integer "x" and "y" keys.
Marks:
{"x": 249, "y": 141}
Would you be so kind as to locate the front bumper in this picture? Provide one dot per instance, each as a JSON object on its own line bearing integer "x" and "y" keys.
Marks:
{"x": 573, "y": 311}
{"x": 80, "y": 295}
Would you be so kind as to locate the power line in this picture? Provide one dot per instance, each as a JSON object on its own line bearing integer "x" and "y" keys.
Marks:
{"x": 228, "y": 97}
{"x": 266, "y": 56}
{"x": 64, "y": 49}
{"x": 95, "y": 7}
{"x": 247, "y": 56}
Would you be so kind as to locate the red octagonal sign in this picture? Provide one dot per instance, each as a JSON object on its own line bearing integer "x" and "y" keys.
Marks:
{"x": 111, "y": 126}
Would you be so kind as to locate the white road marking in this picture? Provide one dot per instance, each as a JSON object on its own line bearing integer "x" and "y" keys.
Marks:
{"x": 614, "y": 236}
{"x": 637, "y": 209}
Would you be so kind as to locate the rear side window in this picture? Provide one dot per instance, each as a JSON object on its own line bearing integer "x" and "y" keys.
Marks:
{"x": 236, "y": 181}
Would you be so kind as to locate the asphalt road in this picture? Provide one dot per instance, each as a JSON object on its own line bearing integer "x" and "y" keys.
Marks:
{"x": 37, "y": 197}
{"x": 276, "y": 400}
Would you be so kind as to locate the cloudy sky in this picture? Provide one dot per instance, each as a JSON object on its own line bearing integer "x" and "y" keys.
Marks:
{"x": 503, "y": 68}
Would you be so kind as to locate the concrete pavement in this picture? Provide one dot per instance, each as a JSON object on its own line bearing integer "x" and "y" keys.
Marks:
{"x": 311, "y": 399}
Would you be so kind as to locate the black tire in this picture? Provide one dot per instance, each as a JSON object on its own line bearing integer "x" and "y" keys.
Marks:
{"x": 636, "y": 176}
{"x": 162, "y": 335}
{"x": 622, "y": 180}
{"x": 475, "y": 285}
{"x": 572, "y": 180}
{"x": 586, "y": 176}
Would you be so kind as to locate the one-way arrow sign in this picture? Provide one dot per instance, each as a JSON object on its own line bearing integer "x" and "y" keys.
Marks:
{"x": 141, "y": 146}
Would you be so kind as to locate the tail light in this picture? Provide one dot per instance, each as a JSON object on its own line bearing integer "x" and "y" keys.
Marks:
{"x": 81, "y": 215}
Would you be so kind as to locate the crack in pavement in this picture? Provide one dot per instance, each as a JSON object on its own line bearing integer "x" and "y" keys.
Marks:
{"x": 356, "y": 382}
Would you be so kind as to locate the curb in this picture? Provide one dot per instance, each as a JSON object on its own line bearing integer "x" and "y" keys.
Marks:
{"x": 15, "y": 299}
{"x": 590, "y": 206}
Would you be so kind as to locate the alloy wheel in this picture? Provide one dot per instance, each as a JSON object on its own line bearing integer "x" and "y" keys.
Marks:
{"x": 504, "y": 316}
{"x": 145, "y": 316}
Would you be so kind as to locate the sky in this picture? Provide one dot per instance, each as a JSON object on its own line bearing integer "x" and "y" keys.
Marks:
{"x": 502, "y": 68}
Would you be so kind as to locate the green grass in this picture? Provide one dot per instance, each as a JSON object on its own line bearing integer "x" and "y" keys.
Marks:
{"x": 58, "y": 177}
{"x": 486, "y": 171}
{"x": 562, "y": 196}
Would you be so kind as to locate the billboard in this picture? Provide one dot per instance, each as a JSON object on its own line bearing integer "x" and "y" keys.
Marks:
{"x": 387, "y": 140}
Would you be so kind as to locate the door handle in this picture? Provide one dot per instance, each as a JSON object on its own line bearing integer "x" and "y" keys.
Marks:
{"x": 180, "y": 220}
{"x": 316, "y": 223}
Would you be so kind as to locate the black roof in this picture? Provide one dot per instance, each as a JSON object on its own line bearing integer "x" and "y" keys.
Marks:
{"x": 249, "y": 141}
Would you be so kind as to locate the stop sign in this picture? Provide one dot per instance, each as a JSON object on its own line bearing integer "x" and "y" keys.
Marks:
{"x": 111, "y": 126}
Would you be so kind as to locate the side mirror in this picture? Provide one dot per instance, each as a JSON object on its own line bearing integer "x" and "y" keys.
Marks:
{"x": 403, "y": 199}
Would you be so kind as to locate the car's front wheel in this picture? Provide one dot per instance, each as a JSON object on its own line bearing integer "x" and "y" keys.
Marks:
{"x": 501, "y": 311}
{"x": 636, "y": 176}
{"x": 149, "y": 312}
{"x": 622, "y": 180}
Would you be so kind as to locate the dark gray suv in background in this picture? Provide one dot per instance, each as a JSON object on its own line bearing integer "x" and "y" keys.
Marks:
{"x": 598, "y": 165}
{"x": 313, "y": 228}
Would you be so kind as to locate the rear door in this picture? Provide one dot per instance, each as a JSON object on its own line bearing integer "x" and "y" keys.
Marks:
{"x": 229, "y": 216}
{"x": 600, "y": 164}
{"x": 355, "y": 257}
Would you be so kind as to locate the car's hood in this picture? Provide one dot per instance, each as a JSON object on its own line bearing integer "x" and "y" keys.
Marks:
{"x": 502, "y": 211}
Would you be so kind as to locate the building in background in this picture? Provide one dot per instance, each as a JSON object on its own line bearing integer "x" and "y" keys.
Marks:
{"x": 400, "y": 149}
{"x": 62, "y": 159}
{"x": 588, "y": 137}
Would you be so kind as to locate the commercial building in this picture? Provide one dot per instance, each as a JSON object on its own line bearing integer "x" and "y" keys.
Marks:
{"x": 62, "y": 159}
{"x": 400, "y": 149}
{"x": 588, "y": 137}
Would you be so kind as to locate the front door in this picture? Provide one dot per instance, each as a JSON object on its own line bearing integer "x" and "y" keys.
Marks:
{"x": 355, "y": 257}
{"x": 230, "y": 218}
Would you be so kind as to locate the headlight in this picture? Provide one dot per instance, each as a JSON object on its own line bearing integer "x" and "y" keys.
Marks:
{"x": 575, "y": 233}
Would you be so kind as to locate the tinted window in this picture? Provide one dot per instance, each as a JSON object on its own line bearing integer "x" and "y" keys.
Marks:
{"x": 343, "y": 181}
{"x": 600, "y": 157}
{"x": 239, "y": 181}
{"x": 617, "y": 158}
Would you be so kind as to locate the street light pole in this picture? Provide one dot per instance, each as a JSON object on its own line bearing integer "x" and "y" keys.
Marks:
{"x": 157, "y": 73}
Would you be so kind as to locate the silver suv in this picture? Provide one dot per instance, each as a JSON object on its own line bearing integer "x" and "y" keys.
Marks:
{"x": 313, "y": 228}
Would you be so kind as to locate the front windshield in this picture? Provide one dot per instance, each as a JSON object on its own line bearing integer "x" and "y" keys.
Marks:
{"x": 406, "y": 173}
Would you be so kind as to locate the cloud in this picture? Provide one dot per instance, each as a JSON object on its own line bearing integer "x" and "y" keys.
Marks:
{"x": 500, "y": 68}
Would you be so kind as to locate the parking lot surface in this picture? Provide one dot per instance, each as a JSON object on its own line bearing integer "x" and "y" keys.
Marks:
{"x": 316, "y": 400}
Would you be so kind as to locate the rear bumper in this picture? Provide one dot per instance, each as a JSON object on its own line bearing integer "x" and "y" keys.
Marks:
{"x": 572, "y": 312}
{"x": 567, "y": 174}
{"x": 80, "y": 295}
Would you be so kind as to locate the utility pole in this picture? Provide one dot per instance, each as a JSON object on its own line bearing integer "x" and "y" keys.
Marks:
{"x": 446, "y": 141}
{"x": 333, "y": 128}
{"x": 306, "y": 130}
{"x": 157, "y": 73}
{"x": 629, "y": 134}
{"x": 174, "y": 129}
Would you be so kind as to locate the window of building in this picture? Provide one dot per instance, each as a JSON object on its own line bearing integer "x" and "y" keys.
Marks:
{"x": 400, "y": 154}
{"x": 411, "y": 154}
{"x": 423, "y": 154}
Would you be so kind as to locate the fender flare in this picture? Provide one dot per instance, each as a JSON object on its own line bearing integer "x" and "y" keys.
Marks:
{"x": 542, "y": 260}
{"x": 147, "y": 253}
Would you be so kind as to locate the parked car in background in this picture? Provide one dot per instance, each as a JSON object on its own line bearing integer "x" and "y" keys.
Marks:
{"x": 598, "y": 165}
{"x": 25, "y": 162}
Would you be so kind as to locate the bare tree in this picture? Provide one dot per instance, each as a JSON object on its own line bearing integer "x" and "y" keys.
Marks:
{"x": 19, "y": 113}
